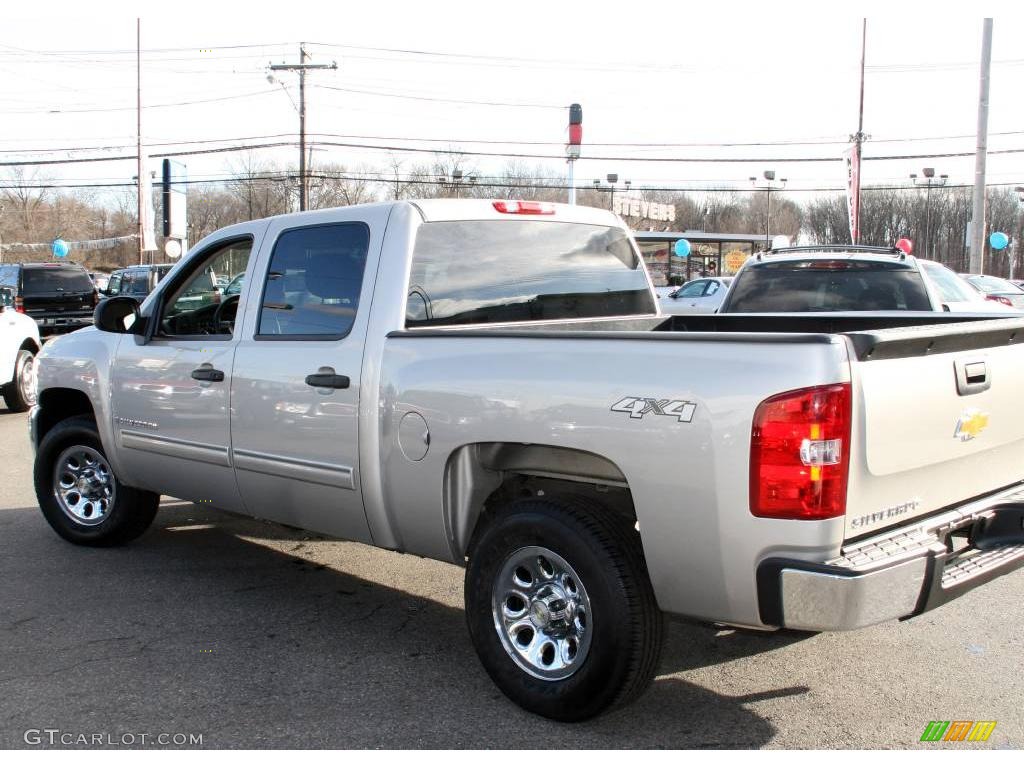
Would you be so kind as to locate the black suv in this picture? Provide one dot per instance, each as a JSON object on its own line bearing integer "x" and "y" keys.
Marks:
{"x": 137, "y": 282}
{"x": 58, "y": 296}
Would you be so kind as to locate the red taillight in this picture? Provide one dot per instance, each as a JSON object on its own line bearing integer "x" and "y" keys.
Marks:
{"x": 800, "y": 454}
{"x": 527, "y": 207}
{"x": 19, "y": 304}
{"x": 1000, "y": 299}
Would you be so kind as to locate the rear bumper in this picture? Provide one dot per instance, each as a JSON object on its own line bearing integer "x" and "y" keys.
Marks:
{"x": 51, "y": 323}
{"x": 900, "y": 574}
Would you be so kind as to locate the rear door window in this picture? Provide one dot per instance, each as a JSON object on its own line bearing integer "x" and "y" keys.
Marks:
{"x": 314, "y": 281}
{"x": 56, "y": 280}
{"x": 828, "y": 286}
{"x": 466, "y": 272}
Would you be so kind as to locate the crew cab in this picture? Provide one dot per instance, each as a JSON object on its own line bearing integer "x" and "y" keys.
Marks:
{"x": 19, "y": 344}
{"x": 490, "y": 383}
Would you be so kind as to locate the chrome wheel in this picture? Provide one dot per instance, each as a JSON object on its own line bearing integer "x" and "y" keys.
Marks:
{"x": 27, "y": 380}
{"x": 542, "y": 613}
{"x": 83, "y": 485}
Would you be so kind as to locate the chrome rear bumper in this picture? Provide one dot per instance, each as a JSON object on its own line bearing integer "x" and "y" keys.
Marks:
{"x": 901, "y": 573}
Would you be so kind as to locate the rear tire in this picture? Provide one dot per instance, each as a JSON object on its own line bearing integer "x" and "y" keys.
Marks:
{"x": 20, "y": 394}
{"x": 536, "y": 571}
{"x": 78, "y": 493}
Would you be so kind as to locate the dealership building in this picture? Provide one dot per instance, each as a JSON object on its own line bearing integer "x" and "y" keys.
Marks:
{"x": 711, "y": 253}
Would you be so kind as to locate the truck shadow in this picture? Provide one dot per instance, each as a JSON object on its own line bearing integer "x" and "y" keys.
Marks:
{"x": 201, "y": 627}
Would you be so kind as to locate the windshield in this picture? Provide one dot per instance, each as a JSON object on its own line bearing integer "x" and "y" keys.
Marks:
{"x": 991, "y": 284}
{"x": 56, "y": 280}
{"x": 510, "y": 271}
{"x": 951, "y": 287}
{"x": 828, "y": 286}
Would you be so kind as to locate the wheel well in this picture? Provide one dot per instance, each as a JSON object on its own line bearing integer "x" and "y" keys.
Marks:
{"x": 482, "y": 478}
{"x": 30, "y": 345}
{"x": 58, "y": 404}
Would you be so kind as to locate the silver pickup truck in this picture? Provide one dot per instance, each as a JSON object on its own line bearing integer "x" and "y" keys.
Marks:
{"x": 489, "y": 383}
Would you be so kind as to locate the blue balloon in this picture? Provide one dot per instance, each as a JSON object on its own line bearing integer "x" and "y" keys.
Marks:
{"x": 60, "y": 248}
{"x": 682, "y": 248}
{"x": 998, "y": 240}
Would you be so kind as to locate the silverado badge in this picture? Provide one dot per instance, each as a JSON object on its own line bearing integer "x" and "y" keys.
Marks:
{"x": 971, "y": 424}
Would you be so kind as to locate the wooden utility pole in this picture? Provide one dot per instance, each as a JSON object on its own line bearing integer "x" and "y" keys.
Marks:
{"x": 301, "y": 68}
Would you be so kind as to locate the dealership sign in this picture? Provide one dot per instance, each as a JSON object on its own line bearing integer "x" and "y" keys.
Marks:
{"x": 641, "y": 209}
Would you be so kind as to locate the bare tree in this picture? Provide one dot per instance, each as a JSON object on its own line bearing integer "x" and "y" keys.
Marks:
{"x": 25, "y": 199}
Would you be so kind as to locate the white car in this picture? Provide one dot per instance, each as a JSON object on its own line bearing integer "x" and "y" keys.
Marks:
{"x": 956, "y": 294}
{"x": 701, "y": 296}
{"x": 19, "y": 345}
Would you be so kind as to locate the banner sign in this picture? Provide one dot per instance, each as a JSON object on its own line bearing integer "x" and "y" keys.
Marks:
{"x": 851, "y": 158}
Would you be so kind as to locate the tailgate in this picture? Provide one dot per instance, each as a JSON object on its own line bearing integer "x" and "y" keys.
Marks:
{"x": 57, "y": 302}
{"x": 938, "y": 419}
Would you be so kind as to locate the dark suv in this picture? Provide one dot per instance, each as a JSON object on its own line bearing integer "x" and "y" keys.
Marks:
{"x": 137, "y": 282}
{"x": 58, "y": 296}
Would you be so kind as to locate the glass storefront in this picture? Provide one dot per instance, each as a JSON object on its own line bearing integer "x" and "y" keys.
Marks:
{"x": 710, "y": 255}
{"x": 734, "y": 255}
{"x": 656, "y": 254}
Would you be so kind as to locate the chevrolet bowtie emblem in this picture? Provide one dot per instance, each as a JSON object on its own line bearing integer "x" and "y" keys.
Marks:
{"x": 971, "y": 424}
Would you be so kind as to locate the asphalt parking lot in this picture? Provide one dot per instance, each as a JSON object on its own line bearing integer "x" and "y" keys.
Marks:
{"x": 257, "y": 636}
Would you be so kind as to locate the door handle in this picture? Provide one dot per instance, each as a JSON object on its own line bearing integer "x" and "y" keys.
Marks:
{"x": 972, "y": 377}
{"x": 208, "y": 374}
{"x": 327, "y": 381}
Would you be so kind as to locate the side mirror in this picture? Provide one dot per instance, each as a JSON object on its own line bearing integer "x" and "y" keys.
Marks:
{"x": 118, "y": 314}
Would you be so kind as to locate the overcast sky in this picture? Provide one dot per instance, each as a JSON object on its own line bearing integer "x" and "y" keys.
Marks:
{"x": 645, "y": 73}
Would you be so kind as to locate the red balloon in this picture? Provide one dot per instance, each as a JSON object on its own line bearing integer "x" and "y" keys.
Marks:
{"x": 905, "y": 244}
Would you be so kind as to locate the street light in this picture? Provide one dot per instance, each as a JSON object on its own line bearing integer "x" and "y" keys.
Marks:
{"x": 768, "y": 185}
{"x": 928, "y": 182}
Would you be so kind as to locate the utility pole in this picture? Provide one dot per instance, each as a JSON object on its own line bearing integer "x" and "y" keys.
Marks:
{"x": 138, "y": 115}
{"x": 301, "y": 68}
{"x": 977, "y": 251}
{"x": 858, "y": 137}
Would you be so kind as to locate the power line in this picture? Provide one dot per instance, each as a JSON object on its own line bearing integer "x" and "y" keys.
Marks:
{"x": 385, "y": 178}
{"x": 503, "y": 142}
{"x": 63, "y": 110}
{"x": 521, "y": 155}
{"x": 438, "y": 98}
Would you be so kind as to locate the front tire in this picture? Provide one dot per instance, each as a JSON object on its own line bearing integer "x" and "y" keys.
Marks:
{"x": 78, "y": 493}
{"x": 20, "y": 393}
{"x": 560, "y": 607}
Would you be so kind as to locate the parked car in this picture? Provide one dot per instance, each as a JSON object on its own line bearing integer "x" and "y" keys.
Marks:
{"x": 846, "y": 278}
{"x": 58, "y": 296}
{"x": 100, "y": 280}
{"x": 955, "y": 293}
{"x": 489, "y": 383}
{"x": 19, "y": 345}
{"x": 998, "y": 289}
{"x": 695, "y": 297}
{"x": 235, "y": 286}
{"x": 136, "y": 281}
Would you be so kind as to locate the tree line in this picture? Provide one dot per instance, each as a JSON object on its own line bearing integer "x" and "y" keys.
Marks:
{"x": 32, "y": 210}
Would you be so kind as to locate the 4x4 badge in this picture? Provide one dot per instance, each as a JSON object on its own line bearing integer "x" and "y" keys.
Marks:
{"x": 638, "y": 407}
